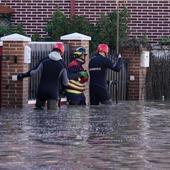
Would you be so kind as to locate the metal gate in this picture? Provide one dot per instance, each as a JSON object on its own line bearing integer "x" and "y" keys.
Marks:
{"x": 40, "y": 50}
{"x": 158, "y": 76}
{"x": 118, "y": 83}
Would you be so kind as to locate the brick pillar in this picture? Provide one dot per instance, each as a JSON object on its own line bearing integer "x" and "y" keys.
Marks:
{"x": 14, "y": 93}
{"x": 1, "y": 45}
{"x": 137, "y": 74}
{"x": 76, "y": 40}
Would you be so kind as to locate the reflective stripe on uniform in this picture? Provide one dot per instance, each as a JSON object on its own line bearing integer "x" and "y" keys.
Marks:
{"x": 73, "y": 91}
{"x": 75, "y": 85}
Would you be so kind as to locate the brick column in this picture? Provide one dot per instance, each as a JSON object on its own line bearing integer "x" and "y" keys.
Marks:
{"x": 137, "y": 74}
{"x": 14, "y": 93}
{"x": 76, "y": 40}
{"x": 1, "y": 46}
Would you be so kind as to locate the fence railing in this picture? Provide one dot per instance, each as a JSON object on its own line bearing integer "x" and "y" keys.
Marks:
{"x": 117, "y": 83}
{"x": 158, "y": 76}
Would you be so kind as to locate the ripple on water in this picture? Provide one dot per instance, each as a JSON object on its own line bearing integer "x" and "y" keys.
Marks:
{"x": 129, "y": 135}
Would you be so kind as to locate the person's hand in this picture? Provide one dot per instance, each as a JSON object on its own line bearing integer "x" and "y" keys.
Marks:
{"x": 20, "y": 76}
{"x": 118, "y": 65}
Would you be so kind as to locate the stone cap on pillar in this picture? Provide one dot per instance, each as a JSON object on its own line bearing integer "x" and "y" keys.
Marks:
{"x": 16, "y": 37}
{"x": 75, "y": 36}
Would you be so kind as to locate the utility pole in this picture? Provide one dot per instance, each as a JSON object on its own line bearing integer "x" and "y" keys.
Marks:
{"x": 117, "y": 27}
{"x": 72, "y": 8}
{"x": 117, "y": 46}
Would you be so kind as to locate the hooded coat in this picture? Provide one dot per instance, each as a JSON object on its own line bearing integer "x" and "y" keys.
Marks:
{"x": 53, "y": 74}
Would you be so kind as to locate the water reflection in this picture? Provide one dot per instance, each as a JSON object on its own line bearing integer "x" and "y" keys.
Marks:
{"x": 129, "y": 135}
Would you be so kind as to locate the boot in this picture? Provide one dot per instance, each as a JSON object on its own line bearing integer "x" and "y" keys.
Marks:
{"x": 39, "y": 105}
{"x": 51, "y": 105}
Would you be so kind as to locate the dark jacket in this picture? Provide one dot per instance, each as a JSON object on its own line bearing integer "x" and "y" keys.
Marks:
{"x": 53, "y": 72}
{"x": 98, "y": 66}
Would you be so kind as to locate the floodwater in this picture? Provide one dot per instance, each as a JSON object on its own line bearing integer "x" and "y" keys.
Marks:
{"x": 125, "y": 136}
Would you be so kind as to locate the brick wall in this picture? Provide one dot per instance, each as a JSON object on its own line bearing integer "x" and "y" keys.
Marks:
{"x": 14, "y": 93}
{"x": 150, "y": 17}
{"x": 136, "y": 85}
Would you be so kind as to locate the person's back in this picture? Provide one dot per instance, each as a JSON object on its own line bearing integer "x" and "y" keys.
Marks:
{"x": 98, "y": 70}
{"x": 98, "y": 66}
{"x": 53, "y": 74}
{"x": 49, "y": 82}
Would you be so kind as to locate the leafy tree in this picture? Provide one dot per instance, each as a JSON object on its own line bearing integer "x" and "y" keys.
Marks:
{"x": 36, "y": 37}
{"x": 58, "y": 26}
{"x": 106, "y": 29}
{"x": 6, "y": 30}
{"x": 18, "y": 29}
{"x": 164, "y": 40}
{"x": 80, "y": 24}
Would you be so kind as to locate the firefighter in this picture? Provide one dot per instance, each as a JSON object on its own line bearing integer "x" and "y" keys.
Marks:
{"x": 78, "y": 76}
{"x": 53, "y": 72}
{"x": 98, "y": 66}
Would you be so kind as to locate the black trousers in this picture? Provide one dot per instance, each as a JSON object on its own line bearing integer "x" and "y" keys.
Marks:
{"x": 99, "y": 94}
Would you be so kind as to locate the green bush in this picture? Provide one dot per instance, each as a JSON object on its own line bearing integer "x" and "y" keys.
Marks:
{"x": 104, "y": 30}
{"x": 6, "y": 30}
{"x": 164, "y": 41}
{"x": 58, "y": 26}
{"x": 36, "y": 37}
{"x": 81, "y": 25}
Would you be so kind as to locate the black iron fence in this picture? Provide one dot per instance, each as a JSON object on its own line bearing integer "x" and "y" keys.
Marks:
{"x": 158, "y": 76}
{"x": 117, "y": 83}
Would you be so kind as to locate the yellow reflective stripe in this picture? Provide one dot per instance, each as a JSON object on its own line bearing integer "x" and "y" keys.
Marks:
{"x": 76, "y": 83}
{"x": 73, "y": 86}
{"x": 73, "y": 91}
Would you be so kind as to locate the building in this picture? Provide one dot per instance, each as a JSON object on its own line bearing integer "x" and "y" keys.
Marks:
{"x": 150, "y": 17}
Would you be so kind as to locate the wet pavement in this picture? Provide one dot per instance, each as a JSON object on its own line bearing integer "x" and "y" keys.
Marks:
{"x": 129, "y": 135}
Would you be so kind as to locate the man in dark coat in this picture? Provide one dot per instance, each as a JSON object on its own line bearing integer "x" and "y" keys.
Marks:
{"x": 98, "y": 66}
{"x": 53, "y": 72}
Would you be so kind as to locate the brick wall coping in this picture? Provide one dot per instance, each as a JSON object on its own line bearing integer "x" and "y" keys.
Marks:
{"x": 75, "y": 36}
{"x": 43, "y": 42}
{"x": 15, "y": 37}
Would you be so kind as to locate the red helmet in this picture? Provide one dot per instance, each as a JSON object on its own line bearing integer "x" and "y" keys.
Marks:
{"x": 103, "y": 48}
{"x": 59, "y": 46}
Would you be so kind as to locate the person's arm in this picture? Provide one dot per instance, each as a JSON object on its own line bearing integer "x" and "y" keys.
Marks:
{"x": 114, "y": 66}
{"x": 66, "y": 82}
{"x": 32, "y": 71}
{"x": 64, "y": 77}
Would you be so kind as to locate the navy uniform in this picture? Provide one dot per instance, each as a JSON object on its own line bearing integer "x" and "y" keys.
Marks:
{"x": 98, "y": 66}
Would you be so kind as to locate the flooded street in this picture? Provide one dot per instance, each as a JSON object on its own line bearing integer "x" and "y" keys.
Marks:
{"x": 129, "y": 135}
